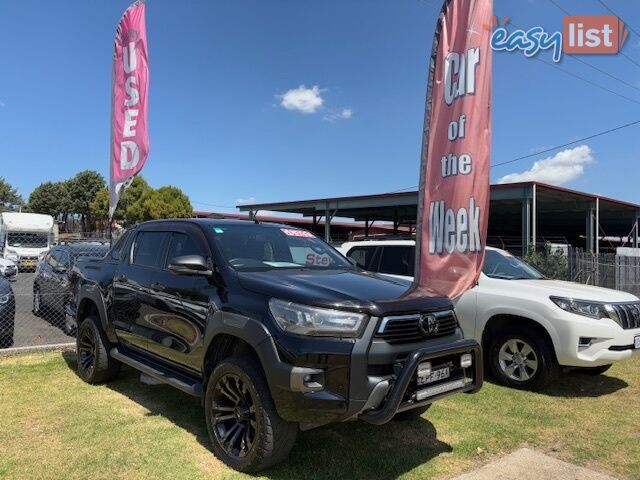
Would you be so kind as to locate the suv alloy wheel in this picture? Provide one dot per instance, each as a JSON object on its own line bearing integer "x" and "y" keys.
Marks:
{"x": 95, "y": 365}
{"x": 520, "y": 358}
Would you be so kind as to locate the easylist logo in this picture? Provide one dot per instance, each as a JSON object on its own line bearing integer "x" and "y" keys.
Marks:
{"x": 602, "y": 34}
{"x": 593, "y": 35}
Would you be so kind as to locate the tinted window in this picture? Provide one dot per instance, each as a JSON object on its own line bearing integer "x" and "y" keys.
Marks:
{"x": 397, "y": 260}
{"x": 363, "y": 256}
{"x": 118, "y": 251}
{"x": 503, "y": 265}
{"x": 150, "y": 248}
{"x": 182, "y": 244}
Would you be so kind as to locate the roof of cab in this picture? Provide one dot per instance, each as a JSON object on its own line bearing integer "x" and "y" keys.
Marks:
{"x": 213, "y": 222}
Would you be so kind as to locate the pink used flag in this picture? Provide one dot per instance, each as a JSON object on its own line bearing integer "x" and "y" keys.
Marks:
{"x": 453, "y": 203}
{"x": 129, "y": 132}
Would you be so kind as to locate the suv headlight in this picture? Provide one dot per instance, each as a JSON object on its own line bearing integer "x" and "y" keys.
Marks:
{"x": 4, "y": 298}
{"x": 305, "y": 320}
{"x": 583, "y": 307}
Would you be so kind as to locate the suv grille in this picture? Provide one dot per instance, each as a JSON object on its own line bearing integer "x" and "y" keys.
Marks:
{"x": 629, "y": 314}
{"x": 417, "y": 326}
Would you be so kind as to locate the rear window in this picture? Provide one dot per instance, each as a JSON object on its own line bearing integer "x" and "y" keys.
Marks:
{"x": 149, "y": 249}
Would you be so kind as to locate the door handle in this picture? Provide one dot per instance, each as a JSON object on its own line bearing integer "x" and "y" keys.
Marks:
{"x": 158, "y": 287}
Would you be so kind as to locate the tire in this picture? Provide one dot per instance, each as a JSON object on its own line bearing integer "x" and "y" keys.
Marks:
{"x": 95, "y": 365}
{"x": 595, "y": 371}
{"x": 521, "y": 358}
{"x": 238, "y": 402}
{"x": 38, "y": 308}
{"x": 412, "y": 414}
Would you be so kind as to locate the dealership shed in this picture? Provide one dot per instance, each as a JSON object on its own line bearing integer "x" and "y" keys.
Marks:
{"x": 520, "y": 215}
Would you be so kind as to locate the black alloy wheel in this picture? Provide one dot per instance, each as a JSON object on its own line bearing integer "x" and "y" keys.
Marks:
{"x": 87, "y": 349}
{"x": 233, "y": 416}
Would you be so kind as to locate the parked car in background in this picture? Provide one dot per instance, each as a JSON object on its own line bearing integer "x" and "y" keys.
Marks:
{"x": 7, "y": 313}
{"x": 529, "y": 326}
{"x": 271, "y": 327}
{"x": 51, "y": 284}
{"x": 8, "y": 269}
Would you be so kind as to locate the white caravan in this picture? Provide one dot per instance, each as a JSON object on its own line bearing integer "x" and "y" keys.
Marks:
{"x": 24, "y": 237}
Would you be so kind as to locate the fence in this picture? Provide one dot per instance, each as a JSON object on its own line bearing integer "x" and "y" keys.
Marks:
{"x": 35, "y": 288}
{"x": 34, "y": 299}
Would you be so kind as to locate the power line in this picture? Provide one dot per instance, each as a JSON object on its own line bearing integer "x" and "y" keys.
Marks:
{"x": 567, "y": 72}
{"x": 556, "y": 147}
{"x": 609, "y": 8}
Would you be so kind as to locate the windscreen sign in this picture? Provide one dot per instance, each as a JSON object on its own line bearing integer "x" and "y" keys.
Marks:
{"x": 584, "y": 35}
{"x": 454, "y": 171}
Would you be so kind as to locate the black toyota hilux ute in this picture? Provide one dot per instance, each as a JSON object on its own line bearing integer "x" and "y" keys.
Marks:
{"x": 271, "y": 327}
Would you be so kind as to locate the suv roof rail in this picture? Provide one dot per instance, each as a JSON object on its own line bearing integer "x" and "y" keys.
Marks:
{"x": 384, "y": 237}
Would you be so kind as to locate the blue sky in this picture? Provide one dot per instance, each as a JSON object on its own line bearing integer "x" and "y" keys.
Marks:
{"x": 220, "y": 71}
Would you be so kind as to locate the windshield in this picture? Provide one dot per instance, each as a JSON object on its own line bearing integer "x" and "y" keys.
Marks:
{"x": 505, "y": 266}
{"x": 28, "y": 240}
{"x": 257, "y": 247}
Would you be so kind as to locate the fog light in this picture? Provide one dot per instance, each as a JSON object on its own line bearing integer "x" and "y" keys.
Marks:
{"x": 466, "y": 360}
{"x": 424, "y": 369}
{"x": 584, "y": 342}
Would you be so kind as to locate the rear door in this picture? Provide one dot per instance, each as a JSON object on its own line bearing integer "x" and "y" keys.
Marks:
{"x": 134, "y": 296}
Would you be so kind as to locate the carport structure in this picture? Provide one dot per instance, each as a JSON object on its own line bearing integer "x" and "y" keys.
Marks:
{"x": 520, "y": 215}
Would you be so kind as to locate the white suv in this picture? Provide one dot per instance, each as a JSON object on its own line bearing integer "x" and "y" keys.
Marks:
{"x": 529, "y": 326}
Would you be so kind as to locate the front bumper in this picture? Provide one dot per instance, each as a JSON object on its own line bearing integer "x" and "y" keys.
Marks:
{"x": 608, "y": 341}
{"x": 321, "y": 381}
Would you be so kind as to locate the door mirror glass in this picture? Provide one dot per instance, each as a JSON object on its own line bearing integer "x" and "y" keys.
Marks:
{"x": 60, "y": 269}
{"x": 190, "y": 265}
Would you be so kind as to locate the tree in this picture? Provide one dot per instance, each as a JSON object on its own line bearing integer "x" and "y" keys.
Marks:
{"x": 83, "y": 189}
{"x": 550, "y": 263}
{"x": 166, "y": 202}
{"x": 51, "y": 198}
{"x": 9, "y": 197}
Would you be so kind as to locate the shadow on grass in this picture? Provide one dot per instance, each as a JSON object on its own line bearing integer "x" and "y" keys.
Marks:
{"x": 347, "y": 450}
{"x": 573, "y": 384}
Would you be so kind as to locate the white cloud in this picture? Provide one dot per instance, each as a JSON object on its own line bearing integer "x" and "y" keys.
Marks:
{"x": 245, "y": 200}
{"x": 343, "y": 114}
{"x": 563, "y": 167}
{"x": 302, "y": 99}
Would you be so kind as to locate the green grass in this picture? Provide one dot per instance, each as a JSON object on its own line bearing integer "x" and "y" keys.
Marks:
{"x": 52, "y": 425}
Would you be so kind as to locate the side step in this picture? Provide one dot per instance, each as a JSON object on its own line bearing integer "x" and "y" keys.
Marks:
{"x": 165, "y": 376}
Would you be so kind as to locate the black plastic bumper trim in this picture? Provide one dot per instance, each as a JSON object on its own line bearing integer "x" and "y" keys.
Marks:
{"x": 394, "y": 399}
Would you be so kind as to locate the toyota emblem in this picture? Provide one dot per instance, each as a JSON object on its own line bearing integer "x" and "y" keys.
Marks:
{"x": 428, "y": 325}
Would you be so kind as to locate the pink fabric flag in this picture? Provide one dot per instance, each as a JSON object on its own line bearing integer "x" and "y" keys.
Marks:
{"x": 129, "y": 132}
{"x": 453, "y": 203}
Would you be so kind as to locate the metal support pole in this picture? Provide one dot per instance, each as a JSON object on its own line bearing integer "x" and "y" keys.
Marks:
{"x": 597, "y": 232}
{"x": 327, "y": 226}
{"x": 534, "y": 217}
{"x": 526, "y": 225}
{"x": 366, "y": 227}
{"x": 589, "y": 230}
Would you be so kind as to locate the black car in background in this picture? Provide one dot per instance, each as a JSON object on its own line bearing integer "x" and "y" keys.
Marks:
{"x": 7, "y": 313}
{"x": 51, "y": 283}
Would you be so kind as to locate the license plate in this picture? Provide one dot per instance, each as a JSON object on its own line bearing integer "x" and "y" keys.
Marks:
{"x": 435, "y": 375}
{"x": 636, "y": 341}
{"x": 29, "y": 264}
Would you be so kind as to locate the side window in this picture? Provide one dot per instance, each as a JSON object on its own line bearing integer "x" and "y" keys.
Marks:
{"x": 118, "y": 250}
{"x": 182, "y": 244}
{"x": 397, "y": 260}
{"x": 364, "y": 256}
{"x": 52, "y": 258}
{"x": 149, "y": 249}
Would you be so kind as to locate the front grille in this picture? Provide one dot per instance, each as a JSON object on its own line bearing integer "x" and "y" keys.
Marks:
{"x": 629, "y": 314}
{"x": 408, "y": 328}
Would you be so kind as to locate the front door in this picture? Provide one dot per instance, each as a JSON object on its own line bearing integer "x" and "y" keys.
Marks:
{"x": 177, "y": 317}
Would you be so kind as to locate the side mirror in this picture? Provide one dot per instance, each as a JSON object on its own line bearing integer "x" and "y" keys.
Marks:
{"x": 190, "y": 265}
{"x": 60, "y": 270}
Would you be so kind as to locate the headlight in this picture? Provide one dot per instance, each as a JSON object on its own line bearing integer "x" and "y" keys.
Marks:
{"x": 4, "y": 298}
{"x": 304, "y": 320}
{"x": 586, "y": 308}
